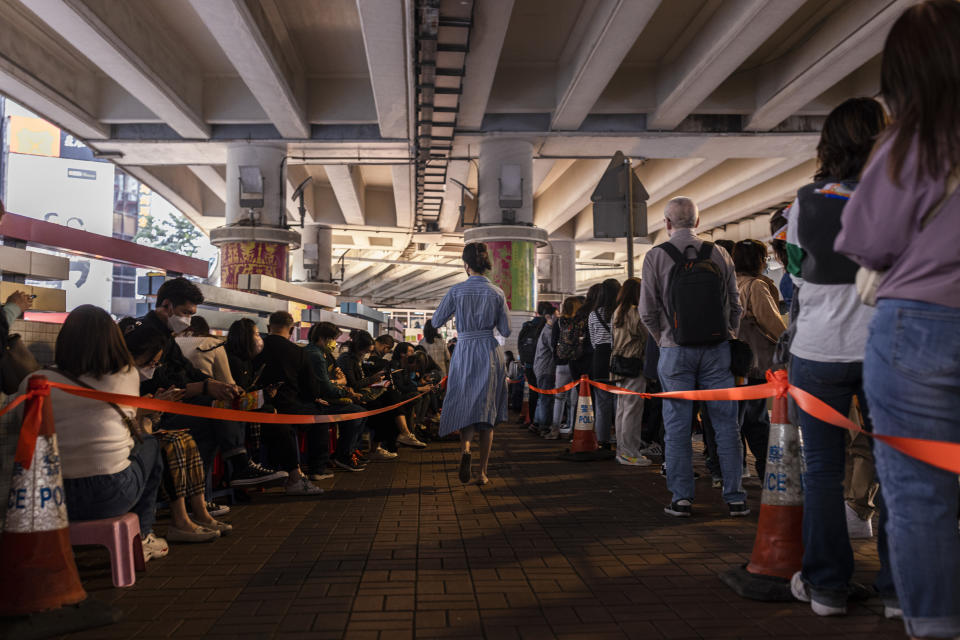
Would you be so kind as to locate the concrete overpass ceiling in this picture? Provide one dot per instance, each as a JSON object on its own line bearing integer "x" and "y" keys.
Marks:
{"x": 721, "y": 100}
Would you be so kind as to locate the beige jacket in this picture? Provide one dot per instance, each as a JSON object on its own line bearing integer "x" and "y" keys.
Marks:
{"x": 759, "y": 297}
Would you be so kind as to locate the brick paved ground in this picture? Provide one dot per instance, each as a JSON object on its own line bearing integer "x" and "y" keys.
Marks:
{"x": 549, "y": 549}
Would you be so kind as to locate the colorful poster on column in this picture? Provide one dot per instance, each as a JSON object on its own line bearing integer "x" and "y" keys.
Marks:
{"x": 263, "y": 258}
{"x": 514, "y": 271}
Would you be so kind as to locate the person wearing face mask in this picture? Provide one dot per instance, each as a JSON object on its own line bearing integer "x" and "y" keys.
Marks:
{"x": 177, "y": 301}
{"x": 183, "y": 478}
{"x": 107, "y": 471}
{"x": 285, "y": 365}
{"x": 243, "y": 346}
{"x": 320, "y": 354}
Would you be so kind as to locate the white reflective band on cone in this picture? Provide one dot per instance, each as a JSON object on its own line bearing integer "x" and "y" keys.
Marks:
{"x": 585, "y": 418}
{"x": 782, "y": 477}
{"x": 36, "y": 501}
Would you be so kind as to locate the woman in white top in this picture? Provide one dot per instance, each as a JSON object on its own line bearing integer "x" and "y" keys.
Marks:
{"x": 106, "y": 473}
{"x": 204, "y": 351}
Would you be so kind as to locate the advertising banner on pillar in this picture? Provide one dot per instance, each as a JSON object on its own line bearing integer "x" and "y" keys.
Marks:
{"x": 74, "y": 193}
{"x": 260, "y": 258}
{"x": 514, "y": 270}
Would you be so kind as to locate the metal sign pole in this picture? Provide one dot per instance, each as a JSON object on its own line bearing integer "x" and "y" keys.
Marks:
{"x": 630, "y": 229}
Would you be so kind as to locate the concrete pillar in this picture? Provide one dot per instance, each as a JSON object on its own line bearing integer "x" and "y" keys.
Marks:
{"x": 507, "y": 227}
{"x": 318, "y": 258}
{"x": 506, "y": 160}
{"x": 255, "y": 240}
{"x": 562, "y": 273}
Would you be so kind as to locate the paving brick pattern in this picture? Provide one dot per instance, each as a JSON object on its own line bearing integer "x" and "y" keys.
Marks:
{"x": 550, "y": 549}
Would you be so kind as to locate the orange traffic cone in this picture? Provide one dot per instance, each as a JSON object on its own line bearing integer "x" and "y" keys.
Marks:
{"x": 39, "y": 573}
{"x": 778, "y": 547}
{"x": 584, "y": 445}
{"x": 584, "y": 435}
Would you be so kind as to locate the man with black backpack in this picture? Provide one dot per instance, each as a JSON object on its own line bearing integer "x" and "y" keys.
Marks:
{"x": 527, "y": 351}
{"x": 690, "y": 304}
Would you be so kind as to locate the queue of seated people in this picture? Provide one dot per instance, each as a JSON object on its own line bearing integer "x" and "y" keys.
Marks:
{"x": 116, "y": 459}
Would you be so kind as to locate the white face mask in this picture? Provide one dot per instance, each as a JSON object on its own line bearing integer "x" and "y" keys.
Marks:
{"x": 257, "y": 344}
{"x": 178, "y": 323}
{"x": 146, "y": 373}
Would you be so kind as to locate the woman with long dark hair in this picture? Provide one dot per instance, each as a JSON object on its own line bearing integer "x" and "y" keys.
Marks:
{"x": 626, "y": 370}
{"x": 760, "y": 326}
{"x": 904, "y": 221}
{"x": 476, "y": 397}
{"x": 827, "y": 352}
{"x": 601, "y": 337}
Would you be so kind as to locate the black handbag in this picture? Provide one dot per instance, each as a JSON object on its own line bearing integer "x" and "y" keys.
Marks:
{"x": 741, "y": 358}
{"x": 626, "y": 367}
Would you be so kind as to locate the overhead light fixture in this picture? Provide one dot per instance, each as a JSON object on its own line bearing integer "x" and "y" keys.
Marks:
{"x": 107, "y": 154}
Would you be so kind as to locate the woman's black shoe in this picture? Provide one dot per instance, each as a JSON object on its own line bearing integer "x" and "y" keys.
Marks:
{"x": 465, "y": 468}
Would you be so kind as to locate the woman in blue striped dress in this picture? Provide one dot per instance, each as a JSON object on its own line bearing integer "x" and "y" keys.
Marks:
{"x": 476, "y": 396}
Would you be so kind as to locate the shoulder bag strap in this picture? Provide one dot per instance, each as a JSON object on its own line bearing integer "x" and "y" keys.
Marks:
{"x": 135, "y": 430}
{"x": 706, "y": 250}
{"x": 673, "y": 252}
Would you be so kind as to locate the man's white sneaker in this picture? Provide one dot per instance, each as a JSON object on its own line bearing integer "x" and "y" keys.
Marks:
{"x": 858, "y": 528}
{"x": 799, "y": 590}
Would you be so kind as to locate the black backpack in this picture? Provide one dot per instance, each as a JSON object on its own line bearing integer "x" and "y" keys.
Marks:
{"x": 695, "y": 297}
{"x": 527, "y": 341}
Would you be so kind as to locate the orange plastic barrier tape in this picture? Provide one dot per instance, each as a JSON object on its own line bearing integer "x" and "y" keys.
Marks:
{"x": 233, "y": 415}
{"x": 553, "y": 392}
{"x": 938, "y": 453}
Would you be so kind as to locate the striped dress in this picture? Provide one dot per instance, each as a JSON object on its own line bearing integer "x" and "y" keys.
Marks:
{"x": 477, "y": 380}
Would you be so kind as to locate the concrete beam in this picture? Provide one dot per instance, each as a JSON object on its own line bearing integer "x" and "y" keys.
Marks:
{"x": 144, "y": 60}
{"x": 728, "y": 38}
{"x": 663, "y": 177}
{"x": 568, "y": 195}
{"x": 586, "y": 66}
{"x": 178, "y": 185}
{"x": 402, "y": 177}
{"x": 850, "y": 38}
{"x": 253, "y": 45}
{"x": 386, "y": 28}
{"x": 779, "y": 189}
{"x": 728, "y": 180}
{"x": 55, "y": 84}
{"x": 491, "y": 19}
{"x": 350, "y": 284}
{"x": 348, "y": 186}
{"x": 209, "y": 176}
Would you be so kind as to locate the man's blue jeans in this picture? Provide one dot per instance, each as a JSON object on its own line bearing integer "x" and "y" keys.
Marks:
{"x": 827, "y": 555}
{"x": 685, "y": 369}
{"x": 912, "y": 378}
{"x": 544, "y": 416}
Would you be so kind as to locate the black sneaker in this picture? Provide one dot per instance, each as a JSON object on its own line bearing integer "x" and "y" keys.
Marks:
{"x": 255, "y": 474}
{"x": 738, "y": 509}
{"x": 349, "y": 465}
{"x": 678, "y": 509}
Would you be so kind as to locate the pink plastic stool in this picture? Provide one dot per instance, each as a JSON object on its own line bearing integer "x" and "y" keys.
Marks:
{"x": 121, "y": 535}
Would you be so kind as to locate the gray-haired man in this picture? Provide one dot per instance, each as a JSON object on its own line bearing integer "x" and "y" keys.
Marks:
{"x": 690, "y": 362}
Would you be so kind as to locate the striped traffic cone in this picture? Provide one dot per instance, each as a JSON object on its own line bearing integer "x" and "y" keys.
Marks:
{"x": 778, "y": 547}
{"x": 39, "y": 573}
{"x": 584, "y": 446}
